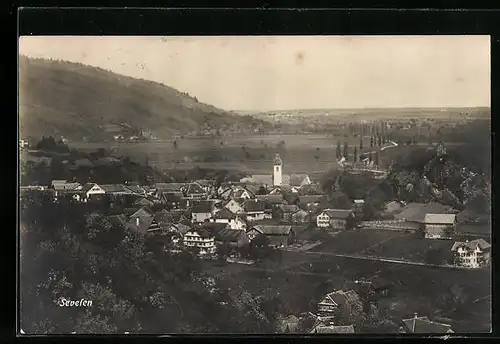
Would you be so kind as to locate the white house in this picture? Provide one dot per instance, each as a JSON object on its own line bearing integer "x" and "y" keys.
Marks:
{"x": 471, "y": 254}
{"x": 334, "y": 218}
{"x": 201, "y": 239}
{"x": 439, "y": 226}
{"x": 201, "y": 212}
{"x": 225, "y": 216}
{"x": 256, "y": 210}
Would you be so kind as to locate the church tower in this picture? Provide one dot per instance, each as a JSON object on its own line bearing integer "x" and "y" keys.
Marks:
{"x": 277, "y": 170}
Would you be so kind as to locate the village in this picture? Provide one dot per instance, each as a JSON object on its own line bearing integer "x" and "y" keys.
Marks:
{"x": 236, "y": 224}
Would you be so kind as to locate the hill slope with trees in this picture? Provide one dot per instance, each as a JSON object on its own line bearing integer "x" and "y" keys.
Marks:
{"x": 73, "y": 100}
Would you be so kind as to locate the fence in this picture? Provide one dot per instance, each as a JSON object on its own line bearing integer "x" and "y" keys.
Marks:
{"x": 400, "y": 225}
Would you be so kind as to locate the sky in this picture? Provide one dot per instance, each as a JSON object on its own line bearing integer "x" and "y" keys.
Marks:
{"x": 265, "y": 73}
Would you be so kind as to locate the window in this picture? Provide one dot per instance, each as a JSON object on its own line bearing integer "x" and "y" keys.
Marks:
{"x": 277, "y": 168}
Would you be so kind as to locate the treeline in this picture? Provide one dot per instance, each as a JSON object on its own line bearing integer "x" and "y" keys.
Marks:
{"x": 88, "y": 167}
{"x": 68, "y": 251}
{"x": 49, "y": 144}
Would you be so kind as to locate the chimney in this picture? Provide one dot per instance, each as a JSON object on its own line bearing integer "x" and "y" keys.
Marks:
{"x": 137, "y": 221}
{"x": 414, "y": 322}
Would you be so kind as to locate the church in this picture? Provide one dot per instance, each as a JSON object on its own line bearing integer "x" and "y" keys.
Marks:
{"x": 277, "y": 178}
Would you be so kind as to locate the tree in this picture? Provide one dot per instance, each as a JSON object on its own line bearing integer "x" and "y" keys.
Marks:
{"x": 376, "y": 158}
{"x": 355, "y": 153}
{"x": 370, "y": 156}
{"x": 262, "y": 190}
{"x": 338, "y": 151}
{"x": 380, "y": 140}
{"x": 361, "y": 143}
{"x": 346, "y": 150}
{"x": 175, "y": 144}
{"x": 371, "y": 142}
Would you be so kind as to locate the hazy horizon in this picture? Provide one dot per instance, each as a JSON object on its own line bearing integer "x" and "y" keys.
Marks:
{"x": 283, "y": 73}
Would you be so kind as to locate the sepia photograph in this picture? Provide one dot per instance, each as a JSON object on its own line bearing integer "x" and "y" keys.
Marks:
{"x": 254, "y": 185}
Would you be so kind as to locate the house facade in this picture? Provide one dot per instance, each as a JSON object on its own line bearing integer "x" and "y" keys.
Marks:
{"x": 278, "y": 235}
{"x": 201, "y": 239}
{"x": 471, "y": 254}
{"x": 338, "y": 219}
{"x": 339, "y": 304}
{"x": 439, "y": 226}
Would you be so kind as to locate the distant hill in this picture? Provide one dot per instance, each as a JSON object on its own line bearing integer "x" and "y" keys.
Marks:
{"x": 75, "y": 101}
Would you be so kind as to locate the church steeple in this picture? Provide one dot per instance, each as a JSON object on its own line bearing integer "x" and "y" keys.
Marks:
{"x": 277, "y": 170}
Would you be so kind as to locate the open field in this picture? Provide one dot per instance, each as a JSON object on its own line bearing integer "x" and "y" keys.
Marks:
{"x": 300, "y": 153}
{"x": 412, "y": 248}
{"x": 356, "y": 241}
{"x": 387, "y": 244}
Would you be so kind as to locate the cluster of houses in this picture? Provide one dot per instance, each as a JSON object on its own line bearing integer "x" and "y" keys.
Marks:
{"x": 336, "y": 312}
{"x": 204, "y": 215}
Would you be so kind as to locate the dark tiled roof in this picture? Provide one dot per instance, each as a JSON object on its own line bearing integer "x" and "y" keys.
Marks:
{"x": 213, "y": 227}
{"x": 273, "y": 199}
{"x": 115, "y": 188}
{"x": 273, "y": 230}
{"x": 304, "y": 200}
{"x": 229, "y": 235}
{"x": 202, "y": 207}
{"x": 202, "y": 232}
{"x": 338, "y": 213}
{"x": 424, "y": 325}
{"x": 144, "y": 211}
{"x": 252, "y": 206}
{"x": 224, "y": 214}
{"x": 472, "y": 245}
{"x": 169, "y": 186}
{"x": 141, "y": 223}
{"x": 416, "y": 211}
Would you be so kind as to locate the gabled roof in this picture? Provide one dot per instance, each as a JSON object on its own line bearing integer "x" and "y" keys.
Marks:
{"x": 343, "y": 297}
{"x": 193, "y": 189}
{"x": 202, "y": 232}
{"x": 87, "y": 187}
{"x": 416, "y": 211}
{"x": 333, "y": 329}
{"x": 143, "y": 212}
{"x": 472, "y": 245}
{"x": 360, "y": 287}
{"x": 167, "y": 217}
{"x": 272, "y": 229}
{"x": 224, "y": 214}
{"x": 253, "y": 206}
{"x": 424, "y": 325}
{"x": 180, "y": 228}
{"x": 136, "y": 189}
{"x": 338, "y": 213}
{"x": 288, "y": 325}
{"x": 310, "y": 189}
{"x": 202, "y": 207}
{"x": 168, "y": 196}
{"x": 115, "y": 188}
{"x": 229, "y": 235}
{"x": 169, "y": 186}
{"x": 445, "y": 219}
{"x": 273, "y": 199}
{"x": 143, "y": 201}
{"x": 145, "y": 222}
{"x": 213, "y": 227}
{"x": 64, "y": 185}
